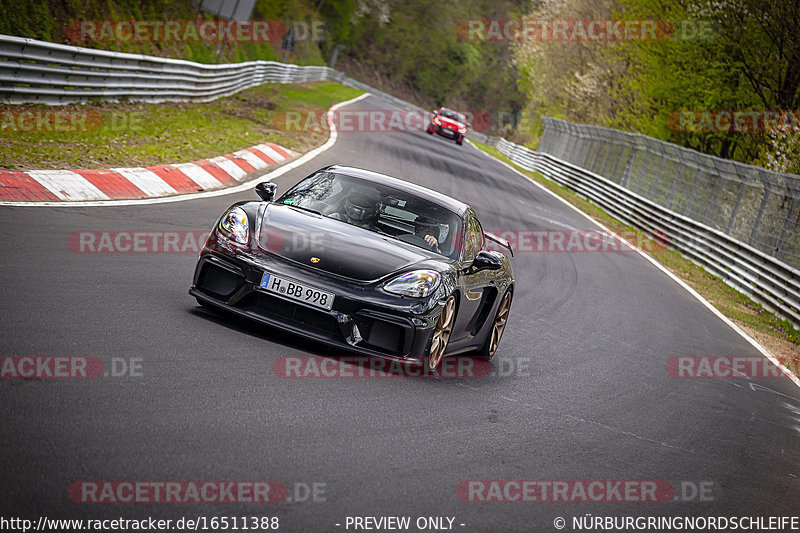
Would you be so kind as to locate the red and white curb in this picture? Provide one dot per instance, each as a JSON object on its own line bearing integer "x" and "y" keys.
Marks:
{"x": 133, "y": 183}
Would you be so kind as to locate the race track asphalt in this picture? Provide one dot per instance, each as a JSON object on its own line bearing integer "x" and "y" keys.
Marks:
{"x": 580, "y": 390}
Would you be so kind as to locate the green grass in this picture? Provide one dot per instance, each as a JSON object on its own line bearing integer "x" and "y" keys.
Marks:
{"x": 776, "y": 334}
{"x": 137, "y": 134}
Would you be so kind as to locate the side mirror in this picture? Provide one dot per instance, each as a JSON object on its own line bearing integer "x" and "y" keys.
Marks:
{"x": 486, "y": 261}
{"x": 502, "y": 242}
{"x": 266, "y": 190}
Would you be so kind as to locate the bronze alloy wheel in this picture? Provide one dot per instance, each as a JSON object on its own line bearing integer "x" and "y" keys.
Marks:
{"x": 444, "y": 326}
{"x": 499, "y": 323}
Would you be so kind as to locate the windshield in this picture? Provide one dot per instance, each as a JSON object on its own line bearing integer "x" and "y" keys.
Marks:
{"x": 379, "y": 208}
{"x": 452, "y": 115}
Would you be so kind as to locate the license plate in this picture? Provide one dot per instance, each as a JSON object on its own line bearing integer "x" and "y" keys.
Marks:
{"x": 296, "y": 291}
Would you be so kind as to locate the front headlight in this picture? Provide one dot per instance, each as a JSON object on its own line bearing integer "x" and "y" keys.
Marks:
{"x": 462, "y": 130}
{"x": 234, "y": 225}
{"x": 437, "y": 121}
{"x": 418, "y": 283}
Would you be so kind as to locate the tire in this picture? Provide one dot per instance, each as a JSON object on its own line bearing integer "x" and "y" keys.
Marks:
{"x": 430, "y": 131}
{"x": 441, "y": 335}
{"x": 460, "y": 141}
{"x": 489, "y": 347}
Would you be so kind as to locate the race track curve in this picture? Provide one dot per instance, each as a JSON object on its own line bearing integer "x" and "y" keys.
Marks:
{"x": 592, "y": 399}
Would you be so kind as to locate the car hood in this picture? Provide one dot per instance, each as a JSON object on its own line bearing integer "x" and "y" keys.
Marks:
{"x": 338, "y": 247}
{"x": 450, "y": 123}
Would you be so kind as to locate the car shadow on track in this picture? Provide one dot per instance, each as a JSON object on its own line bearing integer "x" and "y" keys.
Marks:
{"x": 319, "y": 360}
{"x": 260, "y": 331}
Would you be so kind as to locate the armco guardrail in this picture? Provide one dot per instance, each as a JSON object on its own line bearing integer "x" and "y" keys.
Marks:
{"x": 34, "y": 71}
{"x": 769, "y": 281}
{"x": 753, "y": 205}
{"x": 39, "y": 72}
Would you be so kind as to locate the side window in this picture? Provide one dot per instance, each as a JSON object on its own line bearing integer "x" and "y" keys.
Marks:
{"x": 481, "y": 237}
{"x": 474, "y": 239}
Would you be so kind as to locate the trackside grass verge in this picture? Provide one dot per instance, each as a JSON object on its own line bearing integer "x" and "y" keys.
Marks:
{"x": 106, "y": 135}
{"x": 778, "y": 336}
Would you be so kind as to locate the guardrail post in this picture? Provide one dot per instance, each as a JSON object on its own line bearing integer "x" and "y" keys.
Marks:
{"x": 644, "y": 166}
{"x": 663, "y": 158}
{"x": 712, "y": 205}
{"x": 676, "y": 180}
{"x": 623, "y": 144}
{"x": 609, "y": 147}
{"x": 794, "y": 190}
{"x": 570, "y": 145}
{"x": 735, "y": 207}
{"x": 590, "y": 147}
{"x": 784, "y": 228}
{"x": 764, "y": 200}
{"x": 697, "y": 178}
{"x": 582, "y": 145}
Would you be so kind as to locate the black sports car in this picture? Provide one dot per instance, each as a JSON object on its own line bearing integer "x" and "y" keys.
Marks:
{"x": 363, "y": 261}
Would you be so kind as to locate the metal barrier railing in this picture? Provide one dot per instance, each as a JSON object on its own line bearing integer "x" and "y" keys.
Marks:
{"x": 753, "y": 205}
{"x": 34, "y": 71}
{"x": 766, "y": 279}
{"x": 740, "y": 222}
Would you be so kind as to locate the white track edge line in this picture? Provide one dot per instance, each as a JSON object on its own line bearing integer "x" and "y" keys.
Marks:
{"x": 662, "y": 268}
{"x": 308, "y": 156}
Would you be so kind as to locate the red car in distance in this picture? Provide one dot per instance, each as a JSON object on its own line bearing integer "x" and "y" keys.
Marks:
{"x": 449, "y": 124}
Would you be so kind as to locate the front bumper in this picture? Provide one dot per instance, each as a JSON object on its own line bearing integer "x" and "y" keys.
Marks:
{"x": 362, "y": 319}
{"x": 446, "y": 132}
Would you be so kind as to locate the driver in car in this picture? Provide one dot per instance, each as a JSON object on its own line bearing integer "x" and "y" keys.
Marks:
{"x": 428, "y": 231}
{"x": 360, "y": 210}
